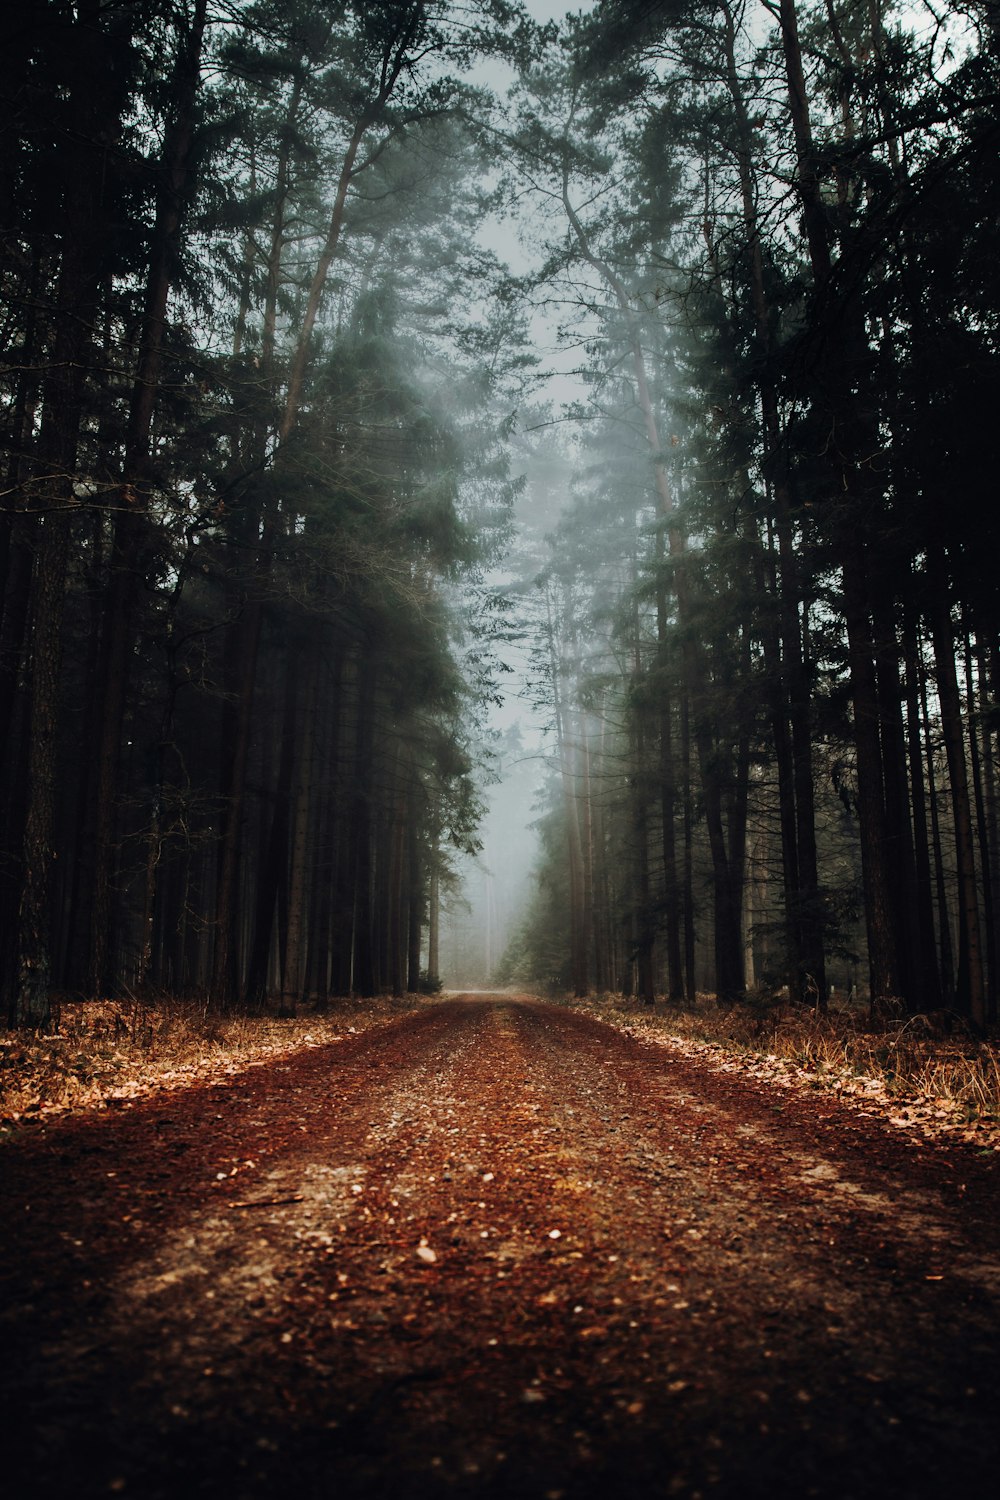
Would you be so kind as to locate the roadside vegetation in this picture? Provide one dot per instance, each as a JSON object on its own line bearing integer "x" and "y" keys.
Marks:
{"x": 104, "y": 1053}
{"x": 928, "y": 1071}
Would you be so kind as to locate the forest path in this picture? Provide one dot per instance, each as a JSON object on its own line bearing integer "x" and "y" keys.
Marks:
{"x": 496, "y": 1248}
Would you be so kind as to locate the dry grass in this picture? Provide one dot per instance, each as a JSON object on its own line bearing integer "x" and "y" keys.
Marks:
{"x": 913, "y": 1066}
{"x": 109, "y": 1051}
{"x": 114, "y": 1050}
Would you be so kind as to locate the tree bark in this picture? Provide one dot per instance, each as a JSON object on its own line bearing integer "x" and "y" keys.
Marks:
{"x": 364, "y": 979}
{"x": 927, "y": 949}
{"x": 131, "y": 523}
{"x": 102, "y": 52}
{"x": 971, "y": 989}
{"x": 292, "y": 970}
{"x": 853, "y": 441}
{"x": 940, "y": 887}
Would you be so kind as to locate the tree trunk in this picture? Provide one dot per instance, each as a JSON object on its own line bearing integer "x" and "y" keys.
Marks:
{"x": 979, "y": 803}
{"x": 293, "y": 968}
{"x": 690, "y": 936}
{"x": 434, "y": 922}
{"x": 565, "y": 751}
{"x": 940, "y": 886}
{"x": 987, "y": 679}
{"x": 131, "y": 522}
{"x": 97, "y": 115}
{"x": 241, "y": 674}
{"x": 900, "y": 860}
{"x": 364, "y": 980}
{"x": 971, "y": 989}
{"x": 415, "y": 894}
{"x": 791, "y": 714}
{"x": 272, "y": 860}
{"x": 398, "y": 928}
{"x": 853, "y": 439}
{"x": 668, "y": 802}
{"x": 323, "y": 894}
{"x": 927, "y": 950}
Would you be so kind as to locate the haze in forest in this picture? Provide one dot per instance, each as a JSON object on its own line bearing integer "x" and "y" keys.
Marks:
{"x": 497, "y": 502}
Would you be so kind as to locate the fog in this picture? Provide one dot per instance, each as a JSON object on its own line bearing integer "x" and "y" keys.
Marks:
{"x": 492, "y": 891}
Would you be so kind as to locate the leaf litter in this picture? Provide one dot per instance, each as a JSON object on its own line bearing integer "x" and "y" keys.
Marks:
{"x": 632, "y": 1270}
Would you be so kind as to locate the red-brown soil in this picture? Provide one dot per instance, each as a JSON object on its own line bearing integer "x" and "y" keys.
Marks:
{"x": 496, "y": 1248}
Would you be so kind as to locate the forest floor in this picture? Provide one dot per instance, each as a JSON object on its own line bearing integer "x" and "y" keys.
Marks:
{"x": 495, "y": 1247}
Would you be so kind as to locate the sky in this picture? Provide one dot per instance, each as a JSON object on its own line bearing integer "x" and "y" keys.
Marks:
{"x": 552, "y": 10}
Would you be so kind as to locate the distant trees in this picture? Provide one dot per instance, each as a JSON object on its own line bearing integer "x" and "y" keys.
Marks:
{"x": 253, "y": 458}
{"x": 753, "y": 208}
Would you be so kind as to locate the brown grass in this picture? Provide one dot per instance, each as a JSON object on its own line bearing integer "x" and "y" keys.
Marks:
{"x": 912, "y": 1062}
{"x": 115, "y": 1050}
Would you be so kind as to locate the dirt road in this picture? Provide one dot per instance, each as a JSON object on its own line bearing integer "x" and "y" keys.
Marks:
{"x": 496, "y": 1248}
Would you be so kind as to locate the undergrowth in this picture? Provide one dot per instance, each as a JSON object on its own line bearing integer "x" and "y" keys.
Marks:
{"x": 910, "y": 1059}
{"x": 107, "y": 1051}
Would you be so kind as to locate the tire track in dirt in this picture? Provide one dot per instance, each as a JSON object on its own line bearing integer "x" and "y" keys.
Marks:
{"x": 496, "y": 1248}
